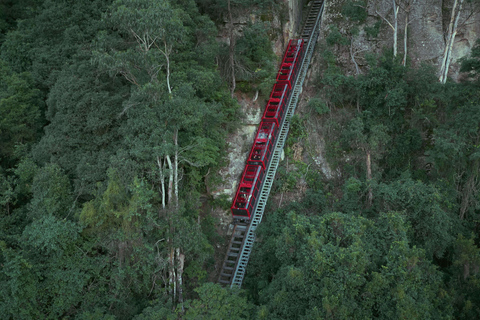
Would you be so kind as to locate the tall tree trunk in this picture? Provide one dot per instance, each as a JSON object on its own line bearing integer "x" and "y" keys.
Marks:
{"x": 369, "y": 179}
{"x": 352, "y": 55}
{"x": 162, "y": 180}
{"x": 175, "y": 169}
{"x": 231, "y": 49}
{"x": 395, "y": 28}
{"x": 172, "y": 283}
{"x": 452, "y": 32}
{"x": 170, "y": 180}
{"x": 167, "y": 57}
{"x": 180, "y": 265}
{"x": 171, "y": 257}
{"x": 405, "y": 40}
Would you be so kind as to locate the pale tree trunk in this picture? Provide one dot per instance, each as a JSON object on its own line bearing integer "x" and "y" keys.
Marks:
{"x": 452, "y": 32}
{"x": 369, "y": 179}
{"x": 175, "y": 169}
{"x": 406, "y": 7}
{"x": 180, "y": 265}
{"x": 170, "y": 180}
{"x": 231, "y": 49}
{"x": 394, "y": 26}
{"x": 167, "y": 57}
{"x": 171, "y": 256}
{"x": 172, "y": 283}
{"x": 166, "y": 52}
{"x": 180, "y": 258}
{"x": 395, "y": 29}
{"x": 162, "y": 180}
{"x": 352, "y": 55}
{"x": 405, "y": 41}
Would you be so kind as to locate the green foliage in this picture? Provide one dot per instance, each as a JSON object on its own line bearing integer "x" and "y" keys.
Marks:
{"x": 20, "y": 116}
{"x": 432, "y": 226}
{"x": 83, "y": 110}
{"x": 48, "y": 272}
{"x": 215, "y": 302}
{"x": 336, "y": 87}
{"x": 51, "y": 193}
{"x": 352, "y": 192}
{"x": 44, "y": 42}
{"x": 465, "y": 277}
{"x": 318, "y": 105}
{"x": 335, "y": 37}
{"x": 355, "y": 11}
{"x": 373, "y": 31}
{"x": 471, "y": 64}
{"x": 159, "y": 310}
{"x": 297, "y": 130}
{"x": 78, "y": 240}
{"x": 255, "y": 55}
{"x": 343, "y": 266}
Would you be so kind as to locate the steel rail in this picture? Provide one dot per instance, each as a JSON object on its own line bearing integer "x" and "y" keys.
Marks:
{"x": 310, "y": 35}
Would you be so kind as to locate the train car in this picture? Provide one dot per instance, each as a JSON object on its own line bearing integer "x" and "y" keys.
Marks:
{"x": 290, "y": 63}
{"x": 276, "y": 105}
{"x": 263, "y": 144}
{"x": 247, "y": 193}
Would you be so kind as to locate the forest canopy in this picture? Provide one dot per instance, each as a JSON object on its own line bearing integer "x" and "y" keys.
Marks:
{"x": 113, "y": 123}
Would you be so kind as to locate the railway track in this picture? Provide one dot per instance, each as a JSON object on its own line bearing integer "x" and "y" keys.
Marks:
{"x": 243, "y": 236}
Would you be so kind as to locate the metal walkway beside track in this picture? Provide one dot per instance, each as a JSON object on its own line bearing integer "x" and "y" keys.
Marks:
{"x": 243, "y": 237}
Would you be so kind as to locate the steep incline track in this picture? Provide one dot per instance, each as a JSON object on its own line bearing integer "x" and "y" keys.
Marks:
{"x": 243, "y": 237}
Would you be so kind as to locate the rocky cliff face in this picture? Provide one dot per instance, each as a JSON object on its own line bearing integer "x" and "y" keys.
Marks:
{"x": 287, "y": 21}
{"x": 427, "y": 26}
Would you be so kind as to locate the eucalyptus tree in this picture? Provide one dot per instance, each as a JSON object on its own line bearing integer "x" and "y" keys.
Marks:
{"x": 164, "y": 50}
{"x": 457, "y": 14}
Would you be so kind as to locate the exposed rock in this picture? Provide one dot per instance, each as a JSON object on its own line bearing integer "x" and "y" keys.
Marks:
{"x": 428, "y": 23}
{"x": 425, "y": 43}
{"x": 239, "y": 145}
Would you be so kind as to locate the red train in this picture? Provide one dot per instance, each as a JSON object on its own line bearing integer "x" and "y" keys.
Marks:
{"x": 246, "y": 198}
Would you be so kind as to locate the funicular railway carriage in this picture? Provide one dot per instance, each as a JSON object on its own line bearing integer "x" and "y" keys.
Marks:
{"x": 290, "y": 63}
{"x": 277, "y": 104}
{"x": 263, "y": 144}
{"x": 247, "y": 192}
{"x": 245, "y": 200}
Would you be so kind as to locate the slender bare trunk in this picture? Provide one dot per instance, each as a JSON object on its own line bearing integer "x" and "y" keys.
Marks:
{"x": 171, "y": 255}
{"x": 452, "y": 40}
{"x": 175, "y": 169}
{"x": 172, "y": 284}
{"x": 369, "y": 179}
{"x": 162, "y": 180}
{"x": 449, "y": 33}
{"x": 395, "y": 28}
{"x": 352, "y": 55}
{"x": 168, "y": 68}
{"x": 170, "y": 180}
{"x": 405, "y": 41}
{"x": 180, "y": 265}
{"x": 452, "y": 32}
{"x": 231, "y": 49}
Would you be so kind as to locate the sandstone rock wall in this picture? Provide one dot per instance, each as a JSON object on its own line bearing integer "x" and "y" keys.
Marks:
{"x": 427, "y": 27}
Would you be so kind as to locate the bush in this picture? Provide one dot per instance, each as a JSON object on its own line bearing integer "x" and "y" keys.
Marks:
{"x": 318, "y": 105}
